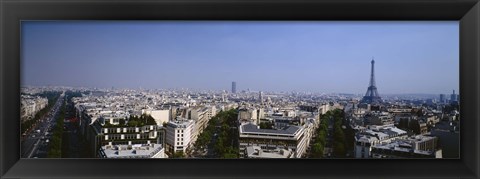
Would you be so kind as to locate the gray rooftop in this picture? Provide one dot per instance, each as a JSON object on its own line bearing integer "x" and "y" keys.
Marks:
{"x": 252, "y": 128}
{"x": 136, "y": 151}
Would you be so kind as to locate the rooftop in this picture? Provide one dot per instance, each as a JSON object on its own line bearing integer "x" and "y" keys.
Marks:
{"x": 402, "y": 146}
{"x": 252, "y": 128}
{"x": 133, "y": 151}
{"x": 257, "y": 152}
{"x": 380, "y": 133}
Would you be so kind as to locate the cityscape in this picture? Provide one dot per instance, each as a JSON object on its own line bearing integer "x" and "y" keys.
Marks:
{"x": 236, "y": 119}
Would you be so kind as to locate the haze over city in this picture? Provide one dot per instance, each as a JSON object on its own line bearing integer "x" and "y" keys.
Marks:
{"x": 330, "y": 57}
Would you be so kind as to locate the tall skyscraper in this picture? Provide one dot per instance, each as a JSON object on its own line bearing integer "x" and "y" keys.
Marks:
{"x": 442, "y": 98}
{"x": 234, "y": 87}
{"x": 453, "y": 96}
{"x": 372, "y": 94}
{"x": 260, "y": 97}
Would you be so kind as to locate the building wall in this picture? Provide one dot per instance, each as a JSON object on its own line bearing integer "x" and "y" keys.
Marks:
{"x": 426, "y": 145}
{"x": 363, "y": 148}
{"x": 30, "y": 106}
{"x": 298, "y": 143}
{"x": 129, "y": 135}
{"x": 201, "y": 116}
{"x": 178, "y": 137}
{"x": 264, "y": 143}
{"x": 160, "y": 116}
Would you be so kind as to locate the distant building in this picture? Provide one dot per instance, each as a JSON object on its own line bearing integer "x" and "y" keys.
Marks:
{"x": 381, "y": 119}
{"x": 30, "y": 105}
{"x": 234, "y": 87}
{"x": 260, "y": 97}
{"x": 453, "y": 97}
{"x": 324, "y": 108}
{"x": 442, "y": 98}
{"x": 248, "y": 115}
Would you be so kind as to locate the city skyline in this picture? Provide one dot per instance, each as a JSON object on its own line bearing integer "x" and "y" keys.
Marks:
{"x": 411, "y": 57}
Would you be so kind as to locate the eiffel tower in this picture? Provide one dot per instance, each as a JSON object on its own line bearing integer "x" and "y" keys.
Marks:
{"x": 372, "y": 94}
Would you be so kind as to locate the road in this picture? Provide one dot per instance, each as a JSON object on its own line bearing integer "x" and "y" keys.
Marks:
{"x": 210, "y": 147}
{"x": 35, "y": 143}
{"x": 71, "y": 134}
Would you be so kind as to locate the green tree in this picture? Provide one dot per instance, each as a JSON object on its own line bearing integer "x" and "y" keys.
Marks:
{"x": 322, "y": 137}
{"x": 317, "y": 150}
{"x": 122, "y": 122}
{"x": 338, "y": 134}
{"x": 266, "y": 125}
{"x": 230, "y": 155}
{"x": 339, "y": 149}
{"x": 179, "y": 154}
{"x": 132, "y": 123}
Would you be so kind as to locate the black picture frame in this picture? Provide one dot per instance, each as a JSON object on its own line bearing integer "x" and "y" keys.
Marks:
{"x": 467, "y": 12}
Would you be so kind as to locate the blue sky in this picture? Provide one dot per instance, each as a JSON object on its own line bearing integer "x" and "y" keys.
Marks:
{"x": 411, "y": 57}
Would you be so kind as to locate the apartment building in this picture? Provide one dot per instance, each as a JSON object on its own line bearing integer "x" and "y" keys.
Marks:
{"x": 291, "y": 138}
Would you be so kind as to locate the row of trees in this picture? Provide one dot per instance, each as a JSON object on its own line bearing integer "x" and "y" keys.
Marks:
{"x": 321, "y": 138}
{"x": 226, "y": 147}
{"x": 52, "y": 98}
{"x": 343, "y": 135}
{"x": 207, "y": 134}
{"x": 225, "y": 124}
{"x": 55, "y": 145}
{"x": 339, "y": 139}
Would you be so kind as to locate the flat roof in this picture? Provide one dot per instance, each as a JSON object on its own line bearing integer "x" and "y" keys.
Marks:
{"x": 402, "y": 146}
{"x": 252, "y": 128}
{"x": 136, "y": 151}
{"x": 257, "y": 152}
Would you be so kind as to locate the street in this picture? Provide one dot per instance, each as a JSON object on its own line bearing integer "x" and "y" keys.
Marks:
{"x": 35, "y": 143}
